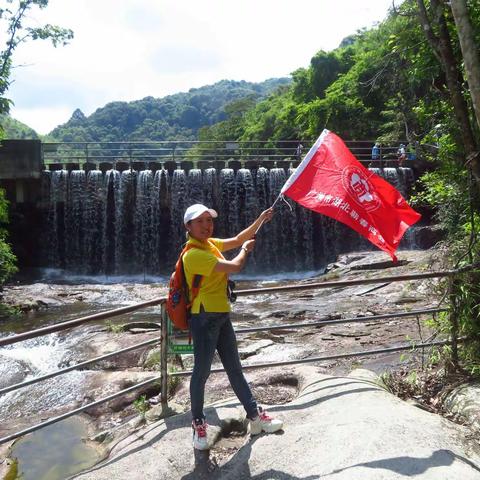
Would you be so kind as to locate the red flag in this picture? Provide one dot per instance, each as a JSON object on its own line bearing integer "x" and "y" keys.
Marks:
{"x": 331, "y": 181}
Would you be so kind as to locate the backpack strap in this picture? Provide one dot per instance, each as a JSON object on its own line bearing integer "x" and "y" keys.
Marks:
{"x": 196, "y": 281}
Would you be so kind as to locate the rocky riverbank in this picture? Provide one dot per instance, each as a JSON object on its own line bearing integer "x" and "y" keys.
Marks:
{"x": 287, "y": 343}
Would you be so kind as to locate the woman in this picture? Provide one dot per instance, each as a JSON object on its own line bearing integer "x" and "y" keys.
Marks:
{"x": 210, "y": 323}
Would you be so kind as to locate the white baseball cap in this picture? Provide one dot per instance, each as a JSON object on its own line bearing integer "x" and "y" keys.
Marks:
{"x": 194, "y": 211}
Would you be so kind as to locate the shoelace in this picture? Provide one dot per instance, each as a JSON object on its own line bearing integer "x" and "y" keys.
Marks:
{"x": 201, "y": 429}
{"x": 264, "y": 417}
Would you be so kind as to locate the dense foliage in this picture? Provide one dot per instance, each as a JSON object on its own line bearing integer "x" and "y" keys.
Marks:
{"x": 175, "y": 117}
{"x": 7, "y": 259}
{"x": 14, "y": 23}
{"x": 17, "y": 27}
{"x": 15, "y": 129}
{"x": 382, "y": 83}
{"x": 405, "y": 78}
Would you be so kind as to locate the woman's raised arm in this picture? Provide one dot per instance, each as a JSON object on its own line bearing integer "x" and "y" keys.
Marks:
{"x": 249, "y": 232}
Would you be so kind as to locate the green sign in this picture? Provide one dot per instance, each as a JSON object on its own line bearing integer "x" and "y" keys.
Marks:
{"x": 178, "y": 341}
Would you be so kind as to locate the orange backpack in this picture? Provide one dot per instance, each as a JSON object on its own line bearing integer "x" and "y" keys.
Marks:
{"x": 179, "y": 301}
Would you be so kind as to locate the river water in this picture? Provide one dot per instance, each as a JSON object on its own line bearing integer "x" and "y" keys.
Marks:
{"x": 69, "y": 300}
{"x": 59, "y": 450}
{"x": 53, "y": 452}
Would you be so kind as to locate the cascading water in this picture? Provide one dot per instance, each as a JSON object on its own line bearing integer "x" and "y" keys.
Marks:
{"x": 93, "y": 222}
{"x": 143, "y": 245}
{"x": 246, "y": 204}
{"x": 131, "y": 222}
{"x": 160, "y": 219}
{"x": 228, "y": 207}
{"x": 56, "y": 218}
{"x": 178, "y": 206}
{"x": 125, "y": 195}
{"x": 38, "y": 357}
{"x": 74, "y": 229}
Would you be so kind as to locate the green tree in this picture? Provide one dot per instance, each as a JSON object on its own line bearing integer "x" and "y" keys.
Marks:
{"x": 437, "y": 26}
{"x": 14, "y": 24}
{"x": 466, "y": 36}
{"x": 175, "y": 117}
{"x": 7, "y": 259}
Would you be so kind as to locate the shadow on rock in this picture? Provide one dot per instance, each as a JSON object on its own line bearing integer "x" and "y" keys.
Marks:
{"x": 238, "y": 468}
{"x": 409, "y": 466}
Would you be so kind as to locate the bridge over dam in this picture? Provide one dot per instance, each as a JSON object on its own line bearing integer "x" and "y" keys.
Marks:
{"x": 116, "y": 208}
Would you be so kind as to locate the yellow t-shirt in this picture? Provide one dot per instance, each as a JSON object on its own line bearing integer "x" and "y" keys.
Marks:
{"x": 213, "y": 288}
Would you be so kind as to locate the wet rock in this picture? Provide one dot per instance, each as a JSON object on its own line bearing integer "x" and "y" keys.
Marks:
{"x": 48, "y": 302}
{"x": 426, "y": 237}
{"x": 379, "y": 265}
{"x": 151, "y": 358}
{"x": 250, "y": 349}
{"x": 405, "y": 300}
{"x": 140, "y": 327}
{"x": 102, "y": 384}
{"x": 11, "y": 371}
{"x": 103, "y": 437}
{"x": 105, "y": 342}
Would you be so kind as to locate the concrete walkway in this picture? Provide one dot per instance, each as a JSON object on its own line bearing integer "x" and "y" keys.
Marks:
{"x": 337, "y": 428}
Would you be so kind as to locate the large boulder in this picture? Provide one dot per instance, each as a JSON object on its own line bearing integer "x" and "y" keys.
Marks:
{"x": 428, "y": 236}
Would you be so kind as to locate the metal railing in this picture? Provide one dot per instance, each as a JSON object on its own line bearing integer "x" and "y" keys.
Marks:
{"x": 163, "y": 378}
{"x": 161, "y": 152}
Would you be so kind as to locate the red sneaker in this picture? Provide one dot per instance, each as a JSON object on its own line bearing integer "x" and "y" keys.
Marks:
{"x": 200, "y": 434}
{"x": 264, "y": 423}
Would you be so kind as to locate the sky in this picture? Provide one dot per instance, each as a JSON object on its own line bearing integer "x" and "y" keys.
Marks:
{"x": 126, "y": 50}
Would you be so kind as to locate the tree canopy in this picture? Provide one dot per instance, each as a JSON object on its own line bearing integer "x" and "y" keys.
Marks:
{"x": 14, "y": 23}
{"x": 174, "y": 117}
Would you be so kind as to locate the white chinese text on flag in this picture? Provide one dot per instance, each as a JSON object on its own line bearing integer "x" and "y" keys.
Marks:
{"x": 331, "y": 181}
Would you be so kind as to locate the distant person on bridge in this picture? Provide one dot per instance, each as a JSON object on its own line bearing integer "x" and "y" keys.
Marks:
{"x": 376, "y": 151}
{"x": 298, "y": 152}
{"x": 401, "y": 155}
{"x": 210, "y": 323}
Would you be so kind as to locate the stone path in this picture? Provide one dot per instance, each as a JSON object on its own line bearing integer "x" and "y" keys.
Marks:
{"x": 337, "y": 428}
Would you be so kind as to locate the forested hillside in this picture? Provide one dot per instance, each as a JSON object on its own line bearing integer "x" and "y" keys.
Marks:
{"x": 382, "y": 83}
{"x": 175, "y": 117}
{"x": 15, "y": 129}
{"x": 415, "y": 76}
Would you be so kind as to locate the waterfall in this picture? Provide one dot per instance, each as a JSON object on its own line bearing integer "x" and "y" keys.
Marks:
{"x": 56, "y": 218}
{"x": 178, "y": 205}
{"x": 74, "y": 228}
{"x": 264, "y": 241}
{"x": 160, "y": 220}
{"x": 131, "y": 222}
{"x": 93, "y": 223}
{"x": 143, "y": 221}
{"x": 227, "y": 205}
{"x": 112, "y": 183}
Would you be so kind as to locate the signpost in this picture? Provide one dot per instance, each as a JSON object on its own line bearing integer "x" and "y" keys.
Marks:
{"x": 178, "y": 342}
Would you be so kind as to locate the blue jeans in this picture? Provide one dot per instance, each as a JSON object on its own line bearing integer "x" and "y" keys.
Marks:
{"x": 214, "y": 331}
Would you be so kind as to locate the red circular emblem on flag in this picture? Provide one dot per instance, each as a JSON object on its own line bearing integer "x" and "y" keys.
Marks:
{"x": 357, "y": 184}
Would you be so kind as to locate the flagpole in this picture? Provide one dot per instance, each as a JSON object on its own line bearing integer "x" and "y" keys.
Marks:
{"x": 292, "y": 176}
{"x": 263, "y": 220}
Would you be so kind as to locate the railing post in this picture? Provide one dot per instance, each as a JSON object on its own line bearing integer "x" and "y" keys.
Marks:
{"x": 164, "y": 358}
{"x": 452, "y": 295}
